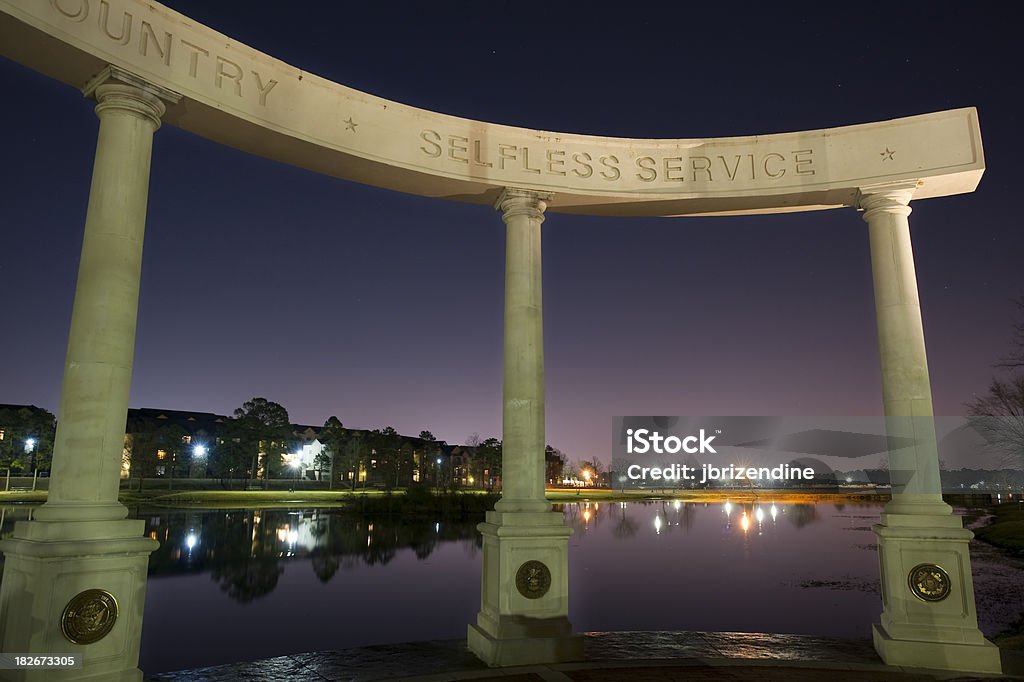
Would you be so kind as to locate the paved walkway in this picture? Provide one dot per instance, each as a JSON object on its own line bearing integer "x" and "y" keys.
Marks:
{"x": 610, "y": 657}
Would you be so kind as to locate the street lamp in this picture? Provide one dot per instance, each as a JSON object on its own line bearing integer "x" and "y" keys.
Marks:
{"x": 198, "y": 452}
{"x": 30, "y": 446}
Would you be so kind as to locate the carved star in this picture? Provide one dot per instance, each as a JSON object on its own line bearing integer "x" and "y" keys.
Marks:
{"x": 350, "y": 124}
{"x": 887, "y": 155}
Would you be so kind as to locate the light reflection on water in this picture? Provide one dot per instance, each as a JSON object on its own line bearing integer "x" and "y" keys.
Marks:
{"x": 233, "y": 585}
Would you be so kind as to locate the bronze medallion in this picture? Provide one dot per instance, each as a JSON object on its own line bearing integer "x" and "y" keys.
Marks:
{"x": 89, "y": 617}
{"x": 533, "y": 580}
{"x": 929, "y": 582}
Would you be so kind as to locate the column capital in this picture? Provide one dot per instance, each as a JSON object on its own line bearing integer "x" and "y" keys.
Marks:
{"x": 115, "y": 88}
{"x": 515, "y": 201}
{"x": 892, "y": 198}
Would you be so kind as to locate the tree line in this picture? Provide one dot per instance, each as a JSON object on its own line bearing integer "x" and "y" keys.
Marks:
{"x": 258, "y": 443}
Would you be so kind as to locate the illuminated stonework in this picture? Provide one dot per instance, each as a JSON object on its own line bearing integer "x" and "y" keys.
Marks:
{"x": 152, "y": 65}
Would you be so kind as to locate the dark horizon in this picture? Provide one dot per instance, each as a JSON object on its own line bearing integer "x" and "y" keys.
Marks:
{"x": 381, "y": 308}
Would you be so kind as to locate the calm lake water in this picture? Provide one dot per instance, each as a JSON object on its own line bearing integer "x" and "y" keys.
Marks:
{"x": 246, "y": 584}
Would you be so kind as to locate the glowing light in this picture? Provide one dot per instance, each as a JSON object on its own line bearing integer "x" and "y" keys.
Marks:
{"x": 728, "y": 508}
{"x": 293, "y": 536}
{"x": 657, "y": 524}
{"x": 437, "y": 526}
{"x": 191, "y": 541}
{"x": 745, "y": 522}
{"x": 774, "y": 511}
{"x": 30, "y": 444}
{"x": 438, "y": 460}
{"x": 198, "y": 450}
{"x": 282, "y": 533}
{"x": 586, "y": 516}
{"x": 759, "y": 515}
{"x": 676, "y": 505}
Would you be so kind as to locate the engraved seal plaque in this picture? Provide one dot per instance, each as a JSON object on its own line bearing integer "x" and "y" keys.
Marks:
{"x": 89, "y": 617}
{"x": 533, "y": 579}
{"x": 929, "y": 582}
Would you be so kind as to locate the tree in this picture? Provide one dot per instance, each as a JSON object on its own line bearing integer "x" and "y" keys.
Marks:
{"x": 263, "y": 429}
{"x": 232, "y": 456}
{"x": 156, "y": 449}
{"x": 554, "y": 464}
{"x": 394, "y": 457}
{"x": 999, "y": 415}
{"x": 28, "y": 434}
{"x": 335, "y": 438}
{"x": 429, "y": 458}
{"x": 1015, "y": 360}
{"x": 487, "y": 462}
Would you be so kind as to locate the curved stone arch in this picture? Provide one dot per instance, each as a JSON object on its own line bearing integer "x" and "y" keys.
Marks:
{"x": 235, "y": 95}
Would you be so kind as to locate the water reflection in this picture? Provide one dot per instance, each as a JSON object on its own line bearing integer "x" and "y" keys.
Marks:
{"x": 747, "y": 517}
{"x": 245, "y": 551}
{"x": 303, "y": 574}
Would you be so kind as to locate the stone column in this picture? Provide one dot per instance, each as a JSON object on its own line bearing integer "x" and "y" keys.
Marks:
{"x": 522, "y": 474}
{"x": 906, "y": 389}
{"x": 929, "y": 618}
{"x": 524, "y": 591}
{"x": 80, "y": 554}
{"x": 101, "y": 345}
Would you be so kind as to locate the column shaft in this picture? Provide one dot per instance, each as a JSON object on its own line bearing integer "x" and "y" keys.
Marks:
{"x": 906, "y": 388}
{"x": 522, "y": 478}
{"x": 98, "y": 367}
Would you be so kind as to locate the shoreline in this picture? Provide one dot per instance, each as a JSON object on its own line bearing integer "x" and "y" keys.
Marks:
{"x": 221, "y": 499}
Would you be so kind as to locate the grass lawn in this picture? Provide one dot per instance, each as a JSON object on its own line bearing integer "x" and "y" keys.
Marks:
{"x": 742, "y": 495}
{"x": 220, "y": 499}
{"x": 22, "y": 496}
{"x": 1006, "y": 531}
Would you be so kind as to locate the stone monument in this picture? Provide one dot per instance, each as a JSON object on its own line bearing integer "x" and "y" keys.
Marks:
{"x": 75, "y": 576}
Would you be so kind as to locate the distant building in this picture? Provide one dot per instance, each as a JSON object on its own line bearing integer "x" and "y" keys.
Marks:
{"x": 157, "y": 440}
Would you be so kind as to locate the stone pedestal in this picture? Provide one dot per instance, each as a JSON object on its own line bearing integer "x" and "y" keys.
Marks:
{"x": 929, "y": 619}
{"x": 928, "y": 616}
{"x": 523, "y": 617}
{"x": 48, "y": 565}
{"x": 75, "y": 577}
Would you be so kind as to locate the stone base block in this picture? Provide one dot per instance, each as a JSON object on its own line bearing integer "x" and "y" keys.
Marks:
{"x": 523, "y": 618}
{"x": 526, "y": 641}
{"x": 68, "y": 589}
{"x": 975, "y": 658}
{"x": 929, "y": 618}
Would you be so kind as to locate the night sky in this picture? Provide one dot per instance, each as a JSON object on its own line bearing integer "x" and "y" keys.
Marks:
{"x": 329, "y": 297}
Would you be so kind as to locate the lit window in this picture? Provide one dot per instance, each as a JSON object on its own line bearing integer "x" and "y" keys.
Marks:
{"x": 160, "y": 454}
{"x": 186, "y": 439}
